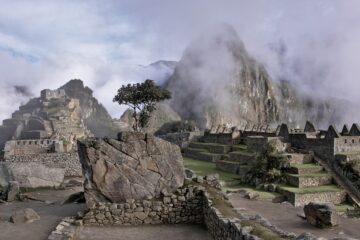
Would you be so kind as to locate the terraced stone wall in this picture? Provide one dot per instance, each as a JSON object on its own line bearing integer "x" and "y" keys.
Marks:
{"x": 182, "y": 139}
{"x": 300, "y": 199}
{"x": 190, "y": 204}
{"x": 323, "y": 147}
{"x": 69, "y": 161}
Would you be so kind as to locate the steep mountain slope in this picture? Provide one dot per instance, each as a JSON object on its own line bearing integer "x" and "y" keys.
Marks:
{"x": 217, "y": 82}
{"x": 94, "y": 114}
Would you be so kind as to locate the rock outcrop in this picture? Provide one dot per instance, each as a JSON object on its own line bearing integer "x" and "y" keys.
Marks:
{"x": 162, "y": 116}
{"x": 136, "y": 166}
{"x": 95, "y": 116}
{"x": 321, "y": 215}
{"x": 33, "y": 174}
{"x": 218, "y": 82}
{"x": 26, "y": 215}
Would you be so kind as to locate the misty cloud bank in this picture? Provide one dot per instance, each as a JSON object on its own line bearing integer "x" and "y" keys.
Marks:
{"x": 43, "y": 44}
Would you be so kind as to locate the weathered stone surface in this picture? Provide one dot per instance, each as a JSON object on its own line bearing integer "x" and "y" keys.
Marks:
{"x": 13, "y": 192}
{"x": 26, "y": 215}
{"x": 137, "y": 166}
{"x": 306, "y": 236}
{"x": 34, "y": 174}
{"x": 251, "y": 195}
{"x": 190, "y": 173}
{"x": 321, "y": 215}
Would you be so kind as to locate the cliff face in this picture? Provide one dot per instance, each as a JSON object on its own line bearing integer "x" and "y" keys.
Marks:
{"x": 95, "y": 116}
{"x": 218, "y": 82}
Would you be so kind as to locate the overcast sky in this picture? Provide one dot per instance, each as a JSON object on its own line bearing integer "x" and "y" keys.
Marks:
{"x": 43, "y": 44}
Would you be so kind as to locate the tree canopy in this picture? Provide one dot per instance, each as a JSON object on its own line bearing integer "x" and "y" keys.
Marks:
{"x": 142, "y": 99}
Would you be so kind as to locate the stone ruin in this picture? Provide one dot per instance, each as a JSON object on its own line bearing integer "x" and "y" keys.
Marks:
{"x": 39, "y": 141}
{"x": 140, "y": 179}
{"x": 309, "y": 146}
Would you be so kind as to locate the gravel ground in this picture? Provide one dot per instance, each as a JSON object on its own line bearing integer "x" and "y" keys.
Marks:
{"x": 284, "y": 216}
{"x": 146, "y": 232}
{"x": 50, "y": 215}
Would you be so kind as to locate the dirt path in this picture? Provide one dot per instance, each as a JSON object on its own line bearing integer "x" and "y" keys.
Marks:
{"x": 50, "y": 215}
{"x": 148, "y": 232}
{"x": 284, "y": 216}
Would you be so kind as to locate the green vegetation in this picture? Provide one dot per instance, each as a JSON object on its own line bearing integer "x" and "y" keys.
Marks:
{"x": 240, "y": 147}
{"x": 323, "y": 188}
{"x": 261, "y": 231}
{"x": 227, "y": 211}
{"x": 204, "y": 168}
{"x": 246, "y": 153}
{"x": 210, "y": 144}
{"x": 142, "y": 99}
{"x": 343, "y": 207}
{"x": 305, "y": 166}
{"x": 37, "y": 189}
{"x": 262, "y": 194}
{"x": 309, "y": 175}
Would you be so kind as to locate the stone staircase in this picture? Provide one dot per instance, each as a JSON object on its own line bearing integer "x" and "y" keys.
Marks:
{"x": 308, "y": 182}
{"x": 305, "y": 180}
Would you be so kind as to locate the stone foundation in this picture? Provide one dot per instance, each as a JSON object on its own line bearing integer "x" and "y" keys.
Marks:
{"x": 191, "y": 204}
{"x": 303, "y": 182}
{"x": 69, "y": 161}
{"x": 300, "y": 199}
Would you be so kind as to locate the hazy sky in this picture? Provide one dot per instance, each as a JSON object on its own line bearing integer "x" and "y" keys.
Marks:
{"x": 43, "y": 44}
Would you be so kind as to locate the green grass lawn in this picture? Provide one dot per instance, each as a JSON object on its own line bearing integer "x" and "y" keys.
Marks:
{"x": 324, "y": 188}
{"x": 204, "y": 168}
{"x": 246, "y": 153}
{"x": 262, "y": 194}
{"x": 210, "y": 144}
{"x": 305, "y": 166}
{"x": 241, "y": 146}
{"x": 309, "y": 175}
{"x": 343, "y": 207}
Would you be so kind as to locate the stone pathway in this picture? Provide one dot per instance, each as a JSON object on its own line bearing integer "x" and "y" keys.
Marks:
{"x": 285, "y": 217}
{"x": 147, "y": 232}
{"x": 50, "y": 215}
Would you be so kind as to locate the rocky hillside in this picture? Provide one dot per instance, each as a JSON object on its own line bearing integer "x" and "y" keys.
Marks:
{"x": 217, "y": 81}
{"x": 163, "y": 114}
{"x": 94, "y": 114}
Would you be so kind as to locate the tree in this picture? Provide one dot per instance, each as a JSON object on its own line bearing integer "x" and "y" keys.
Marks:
{"x": 142, "y": 99}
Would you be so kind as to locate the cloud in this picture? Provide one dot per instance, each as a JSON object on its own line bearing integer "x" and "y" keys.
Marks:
{"x": 43, "y": 44}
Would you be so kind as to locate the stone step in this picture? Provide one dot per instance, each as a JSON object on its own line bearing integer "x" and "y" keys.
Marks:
{"x": 304, "y": 168}
{"x": 242, "y": 157}
{"x": 233, "y": 167}
{"x": 236, "y": 148}
{"x": 302, "y": 196}
{"x": 213, "y": 148}
{"x": 308, "y": 180}
{"x": 299, "y": 158}
{"x": 203, "y": 156}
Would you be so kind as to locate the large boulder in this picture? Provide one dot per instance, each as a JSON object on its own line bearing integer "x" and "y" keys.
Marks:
{"x": 26, "y": 215}
{"x": 35, "y": 174}
{"x": 136, "y": 166}
{"x": 321, "y": 215}
{"x": 13, "y": 191}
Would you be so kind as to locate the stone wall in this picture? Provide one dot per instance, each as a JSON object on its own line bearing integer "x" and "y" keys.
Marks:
{"x": 69, "y": 161}
{"x": 302, "y": 182}
{"x": 322, "y": 147}
{"x": 184, "y": 206}
{"x": 31, "y": 147}
{"x": 182, "y": 139}
{"x": 191, "y": 204}
{"x": 299, "y": 200}
{"x": 347, "y": 144}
